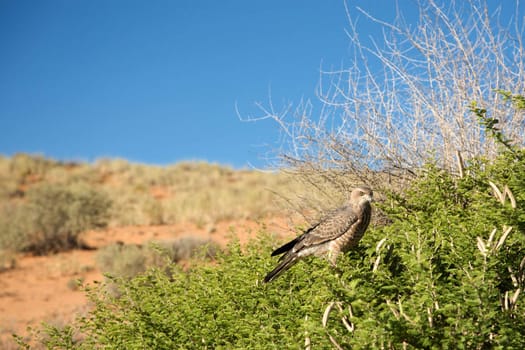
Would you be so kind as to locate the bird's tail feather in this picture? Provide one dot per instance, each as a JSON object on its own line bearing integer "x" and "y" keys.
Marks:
{"x": 287, "y": 262}
{"x": 286, "y": 247}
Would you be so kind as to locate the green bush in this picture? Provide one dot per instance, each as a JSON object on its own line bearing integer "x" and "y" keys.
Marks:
{"x": 446, "y": 273}
{"x": 451, "y": 270}
{"x": 57, "y": 214}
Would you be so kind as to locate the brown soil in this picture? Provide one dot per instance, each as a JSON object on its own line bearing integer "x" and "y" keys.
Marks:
{"x": 43, "y": 288}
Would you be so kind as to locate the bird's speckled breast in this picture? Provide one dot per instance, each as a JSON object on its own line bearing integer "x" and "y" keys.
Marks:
{"x": 354, "y": 234}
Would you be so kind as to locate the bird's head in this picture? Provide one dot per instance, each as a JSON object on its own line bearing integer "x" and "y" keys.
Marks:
{"x": 362, "y": 195}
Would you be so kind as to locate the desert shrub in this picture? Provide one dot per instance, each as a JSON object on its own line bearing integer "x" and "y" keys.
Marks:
{"x": 13, "y": 225}
{"x": 58, "y": 214}
{"x": 189, "y": 247}
{"x": 129, "y": 260}
{"x": 195, "y": 192}
{"x": 24, "y": 165}
{"x": 134, "y": 206}
{"x": 223, "y": 194}
{"x": 447, "y": 273}
{"x": 124, "y": 260}
{"x": 71, "y": 173}
{"x": 8, "y": 183}
{"x": 154, "y": 211}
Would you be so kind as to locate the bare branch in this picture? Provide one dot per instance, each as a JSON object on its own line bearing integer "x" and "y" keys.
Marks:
{"x": 403, "y": 98}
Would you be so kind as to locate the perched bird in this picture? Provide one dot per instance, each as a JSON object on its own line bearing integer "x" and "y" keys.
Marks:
{"x": 339, "y": 231}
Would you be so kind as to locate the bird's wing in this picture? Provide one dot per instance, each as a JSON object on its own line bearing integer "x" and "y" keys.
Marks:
{"x": 329, "y": 228}
{"x": 290, "y": 245}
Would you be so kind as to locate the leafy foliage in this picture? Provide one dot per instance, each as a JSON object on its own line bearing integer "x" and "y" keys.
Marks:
{"x": 455, "y": 261}
{"x": 447, "y": 273}
{"x": 490, "y": 124}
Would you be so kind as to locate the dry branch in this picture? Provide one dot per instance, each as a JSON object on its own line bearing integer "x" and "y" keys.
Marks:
{"x": 404, "y": 98}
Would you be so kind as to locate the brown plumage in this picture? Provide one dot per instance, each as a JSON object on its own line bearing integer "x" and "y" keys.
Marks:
{"x": 338, "y": 232}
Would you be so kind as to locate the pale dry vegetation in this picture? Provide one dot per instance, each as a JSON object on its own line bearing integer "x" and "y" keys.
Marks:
{"x": 46, "y": 204}
{"x": 129, "y": 260}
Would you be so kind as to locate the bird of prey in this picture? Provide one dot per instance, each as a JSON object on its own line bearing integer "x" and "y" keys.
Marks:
{"x": 339, "y": 231}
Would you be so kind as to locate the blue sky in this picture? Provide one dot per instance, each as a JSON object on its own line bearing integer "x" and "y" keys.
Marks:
{"x": 158, "y": 81}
